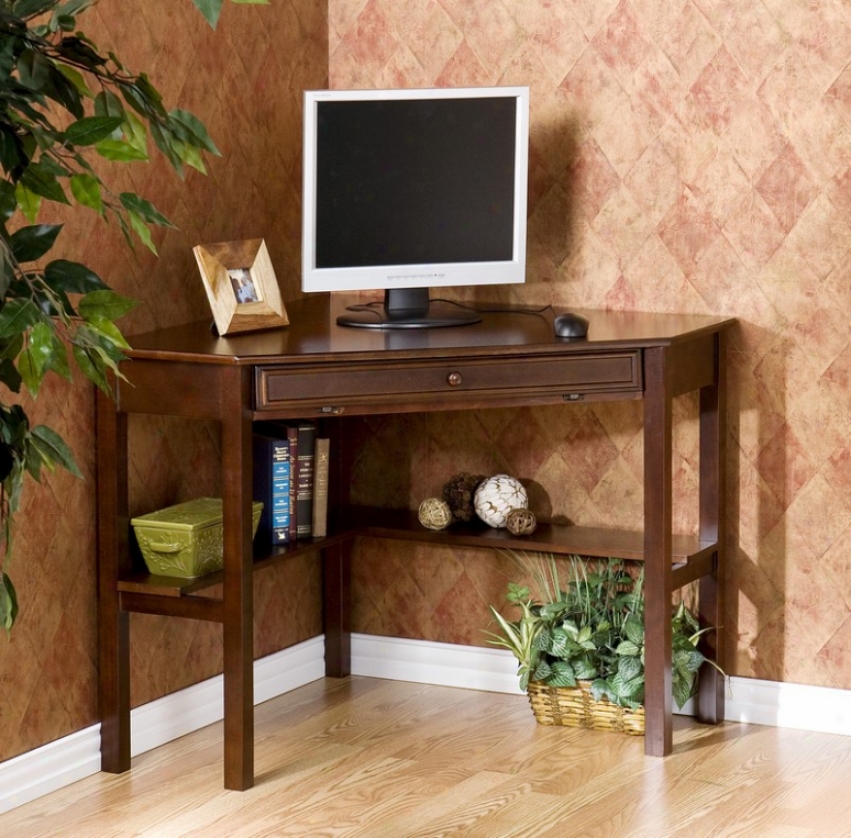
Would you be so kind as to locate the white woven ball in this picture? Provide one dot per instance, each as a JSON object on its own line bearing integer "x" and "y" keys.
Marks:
{"x": 497, "y": 496}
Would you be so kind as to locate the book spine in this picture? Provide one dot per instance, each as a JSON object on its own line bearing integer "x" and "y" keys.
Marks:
{"x": 271, "y": 478}
{"x": 281, "y": 491}
{"x": 292, "y": 439}
{"x": 320, "y": 487}
{"x": 304, "y": 479}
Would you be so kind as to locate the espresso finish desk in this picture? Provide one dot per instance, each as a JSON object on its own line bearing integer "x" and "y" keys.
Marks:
{"x": 316, "y": 369}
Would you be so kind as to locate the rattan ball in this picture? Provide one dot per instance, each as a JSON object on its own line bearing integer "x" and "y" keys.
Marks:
{"x": 521, "y": 522}
{"x": 435, "y": 514}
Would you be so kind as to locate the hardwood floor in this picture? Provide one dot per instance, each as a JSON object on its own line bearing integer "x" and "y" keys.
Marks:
{"x": 383, "y": 759}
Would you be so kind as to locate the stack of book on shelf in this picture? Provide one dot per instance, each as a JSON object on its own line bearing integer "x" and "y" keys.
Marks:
{"x": 291, "y": 478}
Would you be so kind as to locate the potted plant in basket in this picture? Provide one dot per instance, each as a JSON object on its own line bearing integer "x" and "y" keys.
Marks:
{"x": 580, "y": 646}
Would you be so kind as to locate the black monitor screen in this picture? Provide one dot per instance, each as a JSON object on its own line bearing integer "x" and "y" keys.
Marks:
{"x": 407, "y": 182}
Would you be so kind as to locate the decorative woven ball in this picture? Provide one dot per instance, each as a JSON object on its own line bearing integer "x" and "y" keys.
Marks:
{"x": 458, "y": 492}
{"x": 497, "y": 496}
{"x": 521, "y": 522}
{"x": 435, "y": 514}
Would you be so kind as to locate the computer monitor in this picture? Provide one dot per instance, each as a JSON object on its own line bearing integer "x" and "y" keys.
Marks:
{"x": 407, "y": 190}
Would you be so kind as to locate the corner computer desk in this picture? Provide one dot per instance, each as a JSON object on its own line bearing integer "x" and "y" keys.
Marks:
{"x": 314, "y": 369}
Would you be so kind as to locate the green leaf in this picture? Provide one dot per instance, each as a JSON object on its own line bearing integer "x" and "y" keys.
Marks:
{"x": 72, "y": 277}
{"x": 142, "y": 231}
{"x": 191, "y": 130}
{"x": 562, "y": 675}
{"x": 190, "y": 155}
{"x": 144, "y": 209}
{"x": 28, "y": 201}
{"x": 17, "y": 315}
{"x": 108, "y": 104}
{"x": 78, "y": 49}
{"x": 32, "y": 8}
{"x": 8, "y": 202}
{"x": 59, "y": 360}
{"x": 62, "y": 90}
{"x": 31, "y": 243}
{"x": 41, "y": 346}
{"x": 628, "y": 648}
{"x": 10, "y": 376}
{"x": 86, "y": 191}
{"x": 683, "y": 690}
{"x": 630, "y": 668}
{"x": 558, "y": 643}
{"x": 119, "y": 151}
{"x": 8, "y": 602}
{"x": 89, "y": 368}
{"x": 30, "y": 375}
{"x": 7, "y": 269}
{"x": 92, "y": 129}
{"x": 584, "y": 670}
{"x": 542, "y": 639}
{"x": 211, "y": 9}
{"x": 76, "y": 78}
{"x": 600, "y": 689}
{"x": 11, "y": 153}
{"x": 54, "y": 450}
{"x": 108, "y": 330}
{"x": 135, "y": 132}
{"x": 40, "y": 179}
{"x": 634, "y": 629}
{"x": 163, "y": 143}
{"x": 10, "y": 347}
{"x": 105, "y": 304}
{"x": 542, "y": 671}
{"x": 33, "y": 70}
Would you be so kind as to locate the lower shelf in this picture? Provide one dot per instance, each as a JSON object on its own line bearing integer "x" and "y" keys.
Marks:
{"x": 692, "y": 558}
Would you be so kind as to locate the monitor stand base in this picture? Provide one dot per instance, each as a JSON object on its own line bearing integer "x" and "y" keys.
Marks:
{"x": 408, "y": 308}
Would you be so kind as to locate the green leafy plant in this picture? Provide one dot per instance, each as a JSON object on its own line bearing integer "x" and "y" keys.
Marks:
{"x": 64, "y": 105}
{"x": 591, "y": 628}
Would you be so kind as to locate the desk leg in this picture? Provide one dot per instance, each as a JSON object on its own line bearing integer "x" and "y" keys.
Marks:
{"x": 713, "y": 434}
{"x": 336, "y": 587}
{"x": 113, "y": 558}
{"x": 658, "y": 521}
{"x": 238, "y": 592}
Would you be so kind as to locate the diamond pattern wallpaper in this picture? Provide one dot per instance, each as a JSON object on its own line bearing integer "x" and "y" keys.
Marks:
{"x": 245, "y": 82}
{"x": 686, "y": 155}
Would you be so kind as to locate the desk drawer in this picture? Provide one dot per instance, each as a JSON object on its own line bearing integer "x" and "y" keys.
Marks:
{"x": 446, "y": 381}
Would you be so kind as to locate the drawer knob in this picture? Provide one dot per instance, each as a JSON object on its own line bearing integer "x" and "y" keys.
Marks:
{"x": 454, "y": 379}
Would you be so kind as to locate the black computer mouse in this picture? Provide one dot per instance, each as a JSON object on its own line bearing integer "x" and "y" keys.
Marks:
{"x": 570, "y": 325}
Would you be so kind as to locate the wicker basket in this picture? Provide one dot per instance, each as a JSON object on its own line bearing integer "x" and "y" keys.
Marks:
{"x": 576, "y": 707}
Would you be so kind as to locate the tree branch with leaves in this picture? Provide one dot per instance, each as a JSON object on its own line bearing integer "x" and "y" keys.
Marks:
{"x": 63, "y": 104}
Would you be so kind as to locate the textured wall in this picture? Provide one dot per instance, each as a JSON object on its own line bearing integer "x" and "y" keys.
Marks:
{"x": 245, "y": 82}
{"x": 685, "y": 156}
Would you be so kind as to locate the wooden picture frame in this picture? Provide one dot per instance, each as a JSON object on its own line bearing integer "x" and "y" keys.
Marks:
{"x": 241, "y": 286}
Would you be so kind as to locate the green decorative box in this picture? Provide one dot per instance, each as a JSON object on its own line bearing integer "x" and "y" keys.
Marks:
{"x": 185, "y": 540}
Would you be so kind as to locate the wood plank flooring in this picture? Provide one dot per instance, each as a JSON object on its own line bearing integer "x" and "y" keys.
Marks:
{"x": 382, "y": 759}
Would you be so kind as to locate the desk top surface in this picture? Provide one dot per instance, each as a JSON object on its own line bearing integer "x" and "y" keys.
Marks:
{"x": 313, "y": 335}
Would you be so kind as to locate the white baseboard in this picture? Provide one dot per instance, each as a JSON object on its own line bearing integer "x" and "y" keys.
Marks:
{"x": 749, "y": 700}
{"x": 58, "y": 764}
{"x": 425, "y": 662}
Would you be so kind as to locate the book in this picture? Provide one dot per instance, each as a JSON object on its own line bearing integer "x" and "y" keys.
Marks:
{"x": 291, "y": 433}
{"x": 303, "y": 479}
{"x": 320, "y": 486}
{"x": 272, "y": 485}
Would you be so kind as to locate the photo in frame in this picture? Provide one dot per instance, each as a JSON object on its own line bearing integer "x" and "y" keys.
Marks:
{"x": 241, "y": 286}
